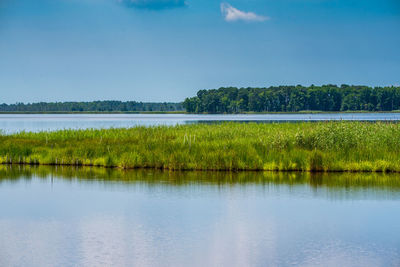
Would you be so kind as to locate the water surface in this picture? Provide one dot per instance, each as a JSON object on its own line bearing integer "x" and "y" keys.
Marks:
{"x": 65, "y": 216}
{"x": 10, "y": 123}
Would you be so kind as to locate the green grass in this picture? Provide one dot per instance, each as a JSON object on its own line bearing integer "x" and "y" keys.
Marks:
{"x": 325, "y": 146}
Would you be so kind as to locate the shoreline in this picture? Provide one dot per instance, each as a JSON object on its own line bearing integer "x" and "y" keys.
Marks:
{"x": 190, "y": 113}
{"x": 196, "y": 170}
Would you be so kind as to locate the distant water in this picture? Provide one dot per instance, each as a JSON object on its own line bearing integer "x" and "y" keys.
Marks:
{"x": 69, "y": 216}
{"x": 10, "y": 123}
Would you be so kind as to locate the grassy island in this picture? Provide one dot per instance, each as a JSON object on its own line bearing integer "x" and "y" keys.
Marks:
{"x": 323, "y": 146}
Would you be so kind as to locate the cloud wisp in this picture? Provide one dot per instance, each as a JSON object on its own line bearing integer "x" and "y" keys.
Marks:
{"x": 154, "y": 4}
{"x": 231, "y": 14}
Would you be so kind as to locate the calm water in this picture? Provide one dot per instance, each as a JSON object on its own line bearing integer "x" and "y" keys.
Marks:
{"x": 34, "y": 122}
{"x": 98, "y": 217}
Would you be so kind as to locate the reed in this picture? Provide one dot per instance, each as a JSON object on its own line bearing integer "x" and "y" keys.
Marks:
{"x": 323, "y": 146}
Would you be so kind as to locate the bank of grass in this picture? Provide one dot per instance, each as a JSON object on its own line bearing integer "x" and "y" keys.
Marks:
{"x": 324, "y": 146}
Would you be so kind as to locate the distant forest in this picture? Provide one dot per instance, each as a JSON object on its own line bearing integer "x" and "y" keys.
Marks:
{"x": 237, "y": 100}
{"x": 95, "y": 106}
{"x": 294, "y": 98}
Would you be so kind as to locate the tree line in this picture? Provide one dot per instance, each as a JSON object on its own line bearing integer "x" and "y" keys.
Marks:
{"x": 236, "y": 100}
{"x": 294, "y": 98}
{"x": 94, "y": 106}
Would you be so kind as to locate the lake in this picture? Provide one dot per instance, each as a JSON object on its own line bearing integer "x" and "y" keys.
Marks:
{"x": 10, "y": 123}
{"x": 65, "y": 216}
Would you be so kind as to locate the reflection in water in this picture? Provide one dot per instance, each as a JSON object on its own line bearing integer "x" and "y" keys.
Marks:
{"x": 66, "y": 216}
{"x": 340, "y": 185}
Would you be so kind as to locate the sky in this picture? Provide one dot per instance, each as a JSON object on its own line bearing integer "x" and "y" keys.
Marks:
{"x": 166, "y": 50}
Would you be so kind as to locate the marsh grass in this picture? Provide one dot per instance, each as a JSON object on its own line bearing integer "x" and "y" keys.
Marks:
{"x": 322, "y": 146}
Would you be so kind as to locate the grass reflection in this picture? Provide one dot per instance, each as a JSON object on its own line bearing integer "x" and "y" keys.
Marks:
{"x": 386, "y": 181}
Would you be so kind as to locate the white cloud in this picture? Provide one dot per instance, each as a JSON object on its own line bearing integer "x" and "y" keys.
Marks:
{"x": 233, "y": 14}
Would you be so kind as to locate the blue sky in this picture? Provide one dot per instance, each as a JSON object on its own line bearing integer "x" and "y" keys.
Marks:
{"x": 166, "y": 50}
